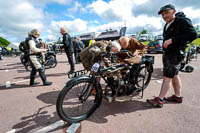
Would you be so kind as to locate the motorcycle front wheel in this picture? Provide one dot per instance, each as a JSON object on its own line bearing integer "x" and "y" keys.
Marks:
{"x": 77, "y": 101}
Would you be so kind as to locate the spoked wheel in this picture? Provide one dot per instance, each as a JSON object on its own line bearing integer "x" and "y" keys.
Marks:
{"x": 143, "y": 78}
{"x": 78, "y": 101}
{"x": 53, "y": 62}
{"x": 22, "y": 59}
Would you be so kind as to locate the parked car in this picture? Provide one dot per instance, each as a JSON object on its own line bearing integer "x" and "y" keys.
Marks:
{"x": 155, "y": 46}
{"x": 158, "y": 37}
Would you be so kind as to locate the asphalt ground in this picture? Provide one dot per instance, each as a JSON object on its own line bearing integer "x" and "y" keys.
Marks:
{"x": 25, "y": 109}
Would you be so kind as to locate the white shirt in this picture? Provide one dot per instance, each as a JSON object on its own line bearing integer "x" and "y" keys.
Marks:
{"x": 169, "y": 24}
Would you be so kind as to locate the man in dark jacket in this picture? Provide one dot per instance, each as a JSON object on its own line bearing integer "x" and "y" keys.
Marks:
{"x": 178, "y": 31}
{"x": 78, "y": 47}
{"x": 68, "y": 46}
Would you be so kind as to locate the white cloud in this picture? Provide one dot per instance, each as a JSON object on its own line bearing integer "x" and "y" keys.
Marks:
{"x": 19, "y": 18}
{"x": 74, "y": 9}
{"x": 61, "y": 1}
{"x": 134, "y": 24}
{"x": 140, "y": 2}
{"x": 73, "y": 27}
{"x": 192, "y": 13}
{"x": 113, "y": 10}
{"x": 76, "y": 25}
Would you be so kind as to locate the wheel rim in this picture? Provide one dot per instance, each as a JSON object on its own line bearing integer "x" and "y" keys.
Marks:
{"x": 28, "y": 66}
{"x": 53, "y": 59}
{"x": 143, "y": 78}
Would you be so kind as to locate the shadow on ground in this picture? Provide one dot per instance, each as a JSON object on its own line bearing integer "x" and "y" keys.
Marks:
{"x": 48, "y": 75}
{"x": 42, "y": 118}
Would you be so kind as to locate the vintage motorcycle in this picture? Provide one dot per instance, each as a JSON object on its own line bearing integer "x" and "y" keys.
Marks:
{"x": 83, "y": 94}
{"x": 50, "y": 60}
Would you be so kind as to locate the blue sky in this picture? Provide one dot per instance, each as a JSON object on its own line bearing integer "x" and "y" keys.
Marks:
{"x": 18, "y": 17}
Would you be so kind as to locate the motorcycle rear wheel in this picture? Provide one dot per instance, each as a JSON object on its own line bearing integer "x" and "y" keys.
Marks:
{"x": 143, "y": 78}
{"x": 27, "y": 66}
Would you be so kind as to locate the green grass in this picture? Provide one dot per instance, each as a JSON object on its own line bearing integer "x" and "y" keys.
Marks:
{"x": 145, "y": 42}
{"x": 197, "y": 42}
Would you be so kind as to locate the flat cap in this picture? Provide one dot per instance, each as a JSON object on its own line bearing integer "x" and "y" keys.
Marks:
{"x": 166, "y": 7}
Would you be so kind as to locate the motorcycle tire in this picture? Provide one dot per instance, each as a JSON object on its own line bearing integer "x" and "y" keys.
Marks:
{"x": 143, "y": 78}
{"x": 66, "y": 107}
{"x": 54, "y": 61}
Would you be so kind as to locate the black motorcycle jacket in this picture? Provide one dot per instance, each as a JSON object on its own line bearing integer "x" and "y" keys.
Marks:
{"x": 67, "y": 41}
{"x": 181, "y": 31}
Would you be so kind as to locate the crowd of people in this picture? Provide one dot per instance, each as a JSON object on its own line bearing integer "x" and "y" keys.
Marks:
{"x": 8, "y": 51}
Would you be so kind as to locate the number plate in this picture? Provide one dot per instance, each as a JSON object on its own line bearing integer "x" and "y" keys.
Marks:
{"x": 152, "y": 47}
{"x": 95, "y": 67}
{"x": 77, "y": 73}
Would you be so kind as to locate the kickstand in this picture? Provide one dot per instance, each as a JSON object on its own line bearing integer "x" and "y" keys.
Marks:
{"x": 142, "y": 94}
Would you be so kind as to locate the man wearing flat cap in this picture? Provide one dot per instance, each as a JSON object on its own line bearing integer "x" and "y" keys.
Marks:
{"x": 178, "y": 31}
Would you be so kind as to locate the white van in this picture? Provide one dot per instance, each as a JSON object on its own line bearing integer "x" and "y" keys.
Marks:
{"x": 144, "y": 37}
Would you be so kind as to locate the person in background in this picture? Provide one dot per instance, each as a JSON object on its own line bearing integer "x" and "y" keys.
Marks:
{"x": 178, "y": 31}
{"x": 78, "y": 47}
{"x": 54, "y": 48}
{"x": 91, "y": 41}
{"x": 34, "y": 57}
{"x": 60, "y": 49}
{"x": 41, "y": 44}
{"x": 1, "y": 50}
{"x": 68, "y": 46}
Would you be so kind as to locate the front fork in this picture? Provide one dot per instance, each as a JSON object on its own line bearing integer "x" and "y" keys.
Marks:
{"x": 91, "y": 89}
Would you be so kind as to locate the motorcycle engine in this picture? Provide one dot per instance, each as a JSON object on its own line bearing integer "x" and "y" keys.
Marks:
{"x": 121, "y": 89}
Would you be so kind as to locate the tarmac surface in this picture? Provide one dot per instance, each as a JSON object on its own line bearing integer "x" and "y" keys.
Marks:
{"x": 25, "y": 109}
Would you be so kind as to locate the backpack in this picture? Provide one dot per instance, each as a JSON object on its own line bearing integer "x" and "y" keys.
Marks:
{"x": 181, "y": 16}
{"x": 22, "y": 47}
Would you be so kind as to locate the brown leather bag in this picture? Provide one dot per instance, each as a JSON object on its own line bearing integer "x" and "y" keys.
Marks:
{"x": 89, "y": 58}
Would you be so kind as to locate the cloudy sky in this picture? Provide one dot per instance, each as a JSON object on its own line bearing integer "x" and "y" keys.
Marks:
{"x": 18, "y": 17}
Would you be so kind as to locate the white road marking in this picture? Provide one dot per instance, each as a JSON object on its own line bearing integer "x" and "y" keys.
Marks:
{"x": 73, "y": 128}
{"x": 9, "y": 82}
{"x": 159, "y": 81}
{"x": 11, "y": 131}
{"x": 51, "y": 127}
